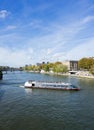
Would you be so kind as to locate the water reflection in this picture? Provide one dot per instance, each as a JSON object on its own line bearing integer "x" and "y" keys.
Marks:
{"x": 1, "y": 94}
{"x": 28, "y": 91}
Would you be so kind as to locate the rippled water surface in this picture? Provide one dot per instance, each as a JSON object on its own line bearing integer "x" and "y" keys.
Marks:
{"x": 27, "y": 109}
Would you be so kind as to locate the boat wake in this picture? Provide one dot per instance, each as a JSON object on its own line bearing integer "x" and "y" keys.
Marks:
{"x": 22, "y": 86}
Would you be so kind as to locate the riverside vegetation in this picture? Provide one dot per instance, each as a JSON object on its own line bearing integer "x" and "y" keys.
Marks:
{"x": 56, "y": 67}
{"x": 84, "y": 64}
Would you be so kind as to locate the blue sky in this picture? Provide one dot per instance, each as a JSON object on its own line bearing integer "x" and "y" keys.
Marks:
{"x": 33, "y": 31}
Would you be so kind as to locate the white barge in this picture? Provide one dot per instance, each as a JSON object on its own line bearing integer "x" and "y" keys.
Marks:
{"x": 50, "y": 85}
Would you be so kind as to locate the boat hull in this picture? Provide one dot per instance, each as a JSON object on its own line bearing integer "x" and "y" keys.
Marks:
{"x": 53, "y": 88}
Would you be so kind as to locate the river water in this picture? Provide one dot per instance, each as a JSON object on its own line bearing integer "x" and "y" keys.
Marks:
{"x": 27, "y": 109}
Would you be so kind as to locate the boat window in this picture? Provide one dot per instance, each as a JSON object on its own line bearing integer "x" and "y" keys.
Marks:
{"x": 33, "y": 84}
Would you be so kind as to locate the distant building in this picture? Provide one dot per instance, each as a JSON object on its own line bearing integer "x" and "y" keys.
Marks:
{"x": 72, "y": 65}
{"x": 43, "y": 62}
{"x": 91, "y": 57}
{"x": 38, "y": 64}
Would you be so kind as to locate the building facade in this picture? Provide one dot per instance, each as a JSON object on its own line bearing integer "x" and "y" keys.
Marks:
{"x": 72, "y": 65}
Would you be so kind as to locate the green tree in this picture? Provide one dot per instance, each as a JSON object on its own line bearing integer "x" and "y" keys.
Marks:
{"x": 90, "y": 63}
{"x": 82, "y": 63}
{"x": 60, "y": 68}
{"x": 46, "y": 67}
{"x": 92, "y": 69}
{"x": 85, "y": 63}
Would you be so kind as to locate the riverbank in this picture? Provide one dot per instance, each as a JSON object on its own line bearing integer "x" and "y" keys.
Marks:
{"x": 80, "y": 74}
{"x": 84, "y": 74}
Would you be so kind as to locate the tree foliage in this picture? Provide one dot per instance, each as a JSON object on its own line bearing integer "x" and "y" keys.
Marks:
{"x": 57, "y": 67}
{"x": 86, "y": 63}
{"x": 46, "y": 67}
{"x": 60, "y": 68}
{"x": 92, "y": 69}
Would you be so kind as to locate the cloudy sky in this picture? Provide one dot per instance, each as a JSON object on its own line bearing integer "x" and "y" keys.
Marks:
{"x": 33, "y": 31}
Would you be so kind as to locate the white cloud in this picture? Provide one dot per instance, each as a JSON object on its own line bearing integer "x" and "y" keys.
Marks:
{"x": 50, "y": 50}
{"x": 10, "y": 27}
{"x": 56, "y": 44}
{"x": 87, "y": 19}
{"x": 35, "y": 24}
{"x": 83, "y": 50}
{"x": 10, "y": 57}
{"x": 60, "y": 56}
{"x": 3, "y": 14}
{"x": 48, "y": 46}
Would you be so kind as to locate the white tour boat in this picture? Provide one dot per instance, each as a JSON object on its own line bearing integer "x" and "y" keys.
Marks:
{"x": 50, "y": 85}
